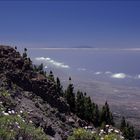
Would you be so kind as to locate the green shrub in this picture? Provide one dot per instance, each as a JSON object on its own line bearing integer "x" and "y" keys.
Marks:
{"x": 6, "y": 99}
{"x": 82, "y": 134}
{"x": 14, "y": 127}
{"x": 5, "y": 93}
{"x": 112, "y": 137}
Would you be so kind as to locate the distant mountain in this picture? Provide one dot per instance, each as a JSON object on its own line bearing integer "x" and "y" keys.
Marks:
{"x": 83, "y": 46}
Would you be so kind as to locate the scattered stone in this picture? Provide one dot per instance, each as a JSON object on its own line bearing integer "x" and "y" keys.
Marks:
{"x": 49, "y": 130}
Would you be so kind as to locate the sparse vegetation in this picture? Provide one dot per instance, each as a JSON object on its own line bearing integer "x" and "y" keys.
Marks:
{"x": 70, "y": 97}
{"x": 127, "y": 130}
{"x": 25, "y": 53}
{"x": 59, "y": 87}
{"x": 82, "y": 134}
{"x": 13, "y": 127}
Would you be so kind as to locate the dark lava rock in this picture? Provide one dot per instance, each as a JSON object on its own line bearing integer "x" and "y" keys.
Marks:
{"x": 49, "y": 130}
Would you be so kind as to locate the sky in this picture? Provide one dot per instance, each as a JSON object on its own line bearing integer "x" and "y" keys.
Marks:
{"x": 100, "y": 24}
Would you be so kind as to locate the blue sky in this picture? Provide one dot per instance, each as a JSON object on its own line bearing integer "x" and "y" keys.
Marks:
{"x": 113, "y": 24}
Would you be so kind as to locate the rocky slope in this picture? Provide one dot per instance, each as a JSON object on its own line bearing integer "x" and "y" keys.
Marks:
{"x": 33, "y": 93}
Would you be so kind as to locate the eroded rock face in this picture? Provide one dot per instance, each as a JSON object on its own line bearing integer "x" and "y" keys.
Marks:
{"x": 35, "y": 94}
{"x": 19, "y": 71}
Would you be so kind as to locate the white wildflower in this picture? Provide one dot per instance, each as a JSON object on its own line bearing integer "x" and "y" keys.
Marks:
{"x": 9, "y": 112}
{"x": 110, "y": 130}
{"x": 18, "y": 126}
{"x": 101, "y": 130}
{"x": 30, "y": 121}
{"x": 16, "y": 123}
{"x": 18, "y": 115}
{"x": 21, "y": 111}
{"x": 20, "y": 138}
{"x": 13, "y": 112}
{"x": 107, "y": 126}
{"x": 116, "y": 131}
{"x": 93, "y": 132}
{"x": 86, "y": 127}
{"x": 121, "y": 137}
{"x": 4, "y": 113}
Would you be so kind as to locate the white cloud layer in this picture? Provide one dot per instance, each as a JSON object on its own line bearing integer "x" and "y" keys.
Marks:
{"x": 119, "y": 75}
{"x": 81, "y": 69}
{"x": 86, "y": 48}
{"x": 139, "y": 76}
{"x": 50, "y": 62}
{"x": 108, "y": 72}
{"x": 98, "y": 73}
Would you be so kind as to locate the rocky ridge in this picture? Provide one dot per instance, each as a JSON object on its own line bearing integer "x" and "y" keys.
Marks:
{"x": 34, "y": 93}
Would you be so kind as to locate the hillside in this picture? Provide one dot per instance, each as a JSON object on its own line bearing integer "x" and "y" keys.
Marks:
{"x": 32, "y": 106}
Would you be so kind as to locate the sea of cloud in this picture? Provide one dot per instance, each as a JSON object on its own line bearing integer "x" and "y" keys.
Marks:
{"x": 117, "y": 75}
{"x": 50, "y": 62}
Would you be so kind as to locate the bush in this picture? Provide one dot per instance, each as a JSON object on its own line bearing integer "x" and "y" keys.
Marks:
{"x": 13, "y": 127}
{"x": 82, "y": 134}
{"x": 112, "y": 137}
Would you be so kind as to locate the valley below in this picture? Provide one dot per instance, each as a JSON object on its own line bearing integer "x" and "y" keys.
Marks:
{"x": 123, "y": 100}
